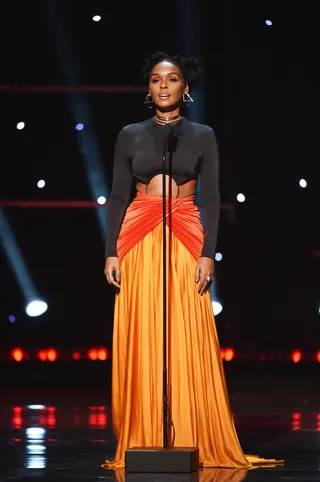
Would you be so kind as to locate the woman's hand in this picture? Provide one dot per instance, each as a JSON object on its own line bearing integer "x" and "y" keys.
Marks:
{"x": 112, "y": 266}
{"x": 204, "y": 268}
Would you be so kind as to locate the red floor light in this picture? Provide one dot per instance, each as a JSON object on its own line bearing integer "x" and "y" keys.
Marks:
{"x": 47, "y": 420}
{"x": 98, "y": 354}
{"x": 52, "y": 355}
{"x": 93, "y": 354}
{"x": 42, "y": 355}
{"x": 296, "y": 421}
{"x": 228, "y": 354}
{"x": 296, "y": 356}
{"x": 17, "y": 421}
{"x": 47, "y": 355}
{"x": 102, "y": 354}
{"x": 17, "y": 417}
{"x": 97, "y": 417}
{"x": 17, "y": 354}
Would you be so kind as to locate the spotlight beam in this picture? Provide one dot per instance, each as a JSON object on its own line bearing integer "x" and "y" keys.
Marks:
{"x": 65, "y": 43}
{"x": 15, "y": 259}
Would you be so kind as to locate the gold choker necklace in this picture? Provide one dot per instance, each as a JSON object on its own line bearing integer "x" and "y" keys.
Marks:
{"x": 165, "y": 118}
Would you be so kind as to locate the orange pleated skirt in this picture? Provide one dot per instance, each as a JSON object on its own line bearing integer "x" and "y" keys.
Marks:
{"x": 197, "y": 392}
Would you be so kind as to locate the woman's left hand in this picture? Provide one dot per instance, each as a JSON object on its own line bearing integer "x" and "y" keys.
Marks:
{"x": 204, "y": 269}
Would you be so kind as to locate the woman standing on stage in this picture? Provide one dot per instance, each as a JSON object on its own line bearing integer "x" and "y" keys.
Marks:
{"x": 197, "y": 392}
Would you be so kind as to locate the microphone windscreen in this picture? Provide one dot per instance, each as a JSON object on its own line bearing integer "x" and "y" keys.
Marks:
{"x": 168, "y": 130}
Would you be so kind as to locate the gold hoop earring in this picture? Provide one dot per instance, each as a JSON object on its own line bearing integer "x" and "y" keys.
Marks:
{"x": 187, "y": 99}
{"x": 148, "y": 101}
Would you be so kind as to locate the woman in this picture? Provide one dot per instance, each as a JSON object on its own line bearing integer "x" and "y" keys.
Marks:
{"x": 197, "y": 394}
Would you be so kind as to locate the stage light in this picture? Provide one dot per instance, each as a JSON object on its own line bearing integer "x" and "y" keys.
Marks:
{"x": 12, "y": 319}
{"x": 101, "y": 200}
{"x": 318, "y": 356}
{"x": 97, "y": 416}
{"x": 17, "y": 354}
{"x": 97, "y": 354}
{"x": 76, "y": 355}
{"x": 35, "y": 433}
{"x": 36, "y": 407}
{"x": 268, "y": 22}
{"x": 93, "y": 354}
{"x": 79, "y": 127}
{"x": 42, "y": 355}
{"x": 52, "y": 355}
{"x": 17, "y": 418}
{"x": 36, "y": 308}
{"x": 217, "y": 308}
{"x": 36, "y": 449}
{"x": 102, "y": 354}
{"x": 16, "y": 261}
{"x": 41, "y": 184}
{"x": 296, "y": 421}
{"x": 96, "y": 18}
{"x": 218, "y": 257}
{"x": 228, "y": 354}
{"x": 303, "y": 183}
{"x": 20, "y": 126}
{"x": 296, "y": 356}
{"x": 241, "y": 198}
{"x": 36, "y": 462}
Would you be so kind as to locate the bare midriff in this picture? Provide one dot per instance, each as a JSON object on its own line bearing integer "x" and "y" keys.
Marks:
{"x": 154, "y": 188}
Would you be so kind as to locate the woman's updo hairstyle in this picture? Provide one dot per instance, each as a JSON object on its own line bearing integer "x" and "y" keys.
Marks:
{"x": 190, "y": 67}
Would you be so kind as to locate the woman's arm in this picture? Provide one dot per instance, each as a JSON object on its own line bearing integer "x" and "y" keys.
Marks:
{"x": 210, "y": 203}
{"x": 209, "y": 192}
{"x": 121, "y": 190}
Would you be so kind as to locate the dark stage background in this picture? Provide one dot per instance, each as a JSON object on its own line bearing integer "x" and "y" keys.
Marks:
{"x": 260, "y": 94}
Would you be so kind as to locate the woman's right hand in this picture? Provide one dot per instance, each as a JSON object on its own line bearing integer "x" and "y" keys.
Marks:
{"x": 111, "y": 266}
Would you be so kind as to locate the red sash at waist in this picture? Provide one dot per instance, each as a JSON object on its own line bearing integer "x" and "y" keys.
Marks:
{"x": 145, "y": 213}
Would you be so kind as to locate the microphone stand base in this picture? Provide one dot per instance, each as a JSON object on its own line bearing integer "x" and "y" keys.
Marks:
{"x": 160, "y": 459}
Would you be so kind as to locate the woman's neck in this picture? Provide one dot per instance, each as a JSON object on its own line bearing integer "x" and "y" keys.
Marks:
{"x": 167, "y": 117}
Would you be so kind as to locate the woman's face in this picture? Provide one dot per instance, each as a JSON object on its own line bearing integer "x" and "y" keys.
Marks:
{"x": 167, "y": 86}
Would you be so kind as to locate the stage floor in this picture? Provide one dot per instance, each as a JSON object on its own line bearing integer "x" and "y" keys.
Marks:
{"x": 55, "y": 432}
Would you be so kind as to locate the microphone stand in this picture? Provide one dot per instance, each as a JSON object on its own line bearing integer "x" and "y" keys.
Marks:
{"x": 163, "y": 459}
{"x": 168, "y": 130}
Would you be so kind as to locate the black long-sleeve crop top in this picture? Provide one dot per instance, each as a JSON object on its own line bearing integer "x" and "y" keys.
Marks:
{"x": 138, "y": 157}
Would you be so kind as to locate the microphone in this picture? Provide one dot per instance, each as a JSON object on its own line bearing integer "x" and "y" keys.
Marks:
{"x": 172, "y": 131}
{"x": 167, "y": 130}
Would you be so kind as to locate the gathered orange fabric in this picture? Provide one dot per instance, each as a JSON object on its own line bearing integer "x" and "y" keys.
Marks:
{"x": 197, "y": 392}
{"x": 145, "y": 213}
